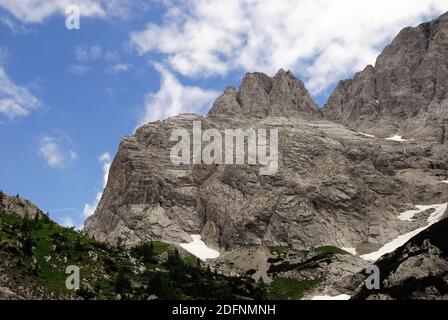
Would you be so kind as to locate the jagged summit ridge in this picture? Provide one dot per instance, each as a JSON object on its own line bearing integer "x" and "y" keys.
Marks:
{"x": 260, "y": 96}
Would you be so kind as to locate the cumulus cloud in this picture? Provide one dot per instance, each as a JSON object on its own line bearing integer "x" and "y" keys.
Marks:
{"x": 88, "y": 53}
{"x": 68, "y": 222}
{"x": 89, "y": 208}
{"x": 78, "y": 69}
{"x": 173, "y": 98}
{"x": 322, "y": 40}
{"x": 14, "y": 26}
{"x": 36, "y": 11}
{"x": 119, "y": 68}
{"x": 54, "y": 149}
{"x": 15, "y": 101}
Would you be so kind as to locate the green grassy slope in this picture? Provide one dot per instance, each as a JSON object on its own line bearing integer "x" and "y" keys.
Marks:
{"x": 36, "y": 253}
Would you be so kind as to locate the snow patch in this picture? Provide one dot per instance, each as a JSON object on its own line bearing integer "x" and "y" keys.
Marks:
{"x": 339, "y": 297}
{"x": 436, "y": 216}
{"x": 409, "y": 215}
{"x": 350, "y": 250}
{"x": 366, "y": 135}
{"x": 397, "y": 138}
{"x": 445, "y": 181}
{"x": 199, "y": 249}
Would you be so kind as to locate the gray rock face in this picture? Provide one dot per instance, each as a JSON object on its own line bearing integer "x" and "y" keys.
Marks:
{"x": 418, "y": 270}
{"x": 333, "y": 186}
{"x": 405, "y": 93}
{"x": 18, "y": 206}
{"x": 260, "y": 96}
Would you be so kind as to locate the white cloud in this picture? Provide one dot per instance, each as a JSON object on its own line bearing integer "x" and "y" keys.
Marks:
{"x": 78, "y": 69}
{"x": 119, "y": 68}
{"x": 36, "y": 11}
{"x": 323, "y": 40}
{"x": 55, "y": 150}
{"x": 105, "y": 157}
{"x": 89, "y": 53}
{"x": 14, "y": 26}
{"x": 15, "y": 101}
{"x": 126, "y": 9}
{"x": 68, "y": 222}
{"x": 85, "y": 55}
{"x": 89, "y": 208}
{"x": 112, "y": 56}
{"x": 173, "y": 98}
{"x": 3, "y": 55}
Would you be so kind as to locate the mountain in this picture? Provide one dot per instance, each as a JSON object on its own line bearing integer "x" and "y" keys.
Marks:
{"x": 333, "y": 185}
{"x": 405, "y": 93}
{"x": 339, "y": 182}
{"x": 417, "y": 270}
{"x": 335, "y": 181}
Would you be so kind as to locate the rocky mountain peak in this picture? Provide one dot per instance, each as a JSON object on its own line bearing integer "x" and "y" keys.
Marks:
{"x": 260, "y": 96}
{"x": 333, "y": 186}
{"x": 405, "y": 93}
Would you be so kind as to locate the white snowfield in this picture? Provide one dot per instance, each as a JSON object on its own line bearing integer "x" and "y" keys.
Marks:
{"x": 199, "y": 249}
{"x": 409, "y": 215}
{"x": 397, "y": 138}
{"x": 436, "y": 216}
{"x": 445, "y": 181}
{"x": 339, "y": 297}
{"x": 350, "y": 250}
{"x": 366, "y": 135}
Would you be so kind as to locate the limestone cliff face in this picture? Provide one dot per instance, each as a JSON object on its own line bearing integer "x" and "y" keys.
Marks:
{"x": 333, "y": 186}
{"x": 405, "y": 93}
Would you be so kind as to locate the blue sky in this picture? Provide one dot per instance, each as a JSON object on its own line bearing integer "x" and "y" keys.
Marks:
{"x": 67, "y": 97}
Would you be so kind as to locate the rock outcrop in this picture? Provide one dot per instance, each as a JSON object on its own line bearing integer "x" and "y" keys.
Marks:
{"x": 260, "y": 96}
{"x": 20, "y": 207}
{"x": 417, "y": 270}
{"x": 405, "y": 93}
